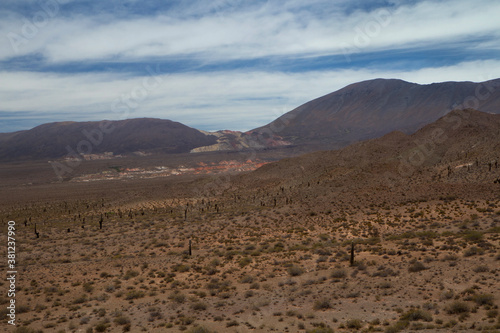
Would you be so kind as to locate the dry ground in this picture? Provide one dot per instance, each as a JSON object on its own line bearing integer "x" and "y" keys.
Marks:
{"x": 428, "y": 265}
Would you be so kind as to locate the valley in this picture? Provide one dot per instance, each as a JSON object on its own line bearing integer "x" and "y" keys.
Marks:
{"x": 268, "y": 250}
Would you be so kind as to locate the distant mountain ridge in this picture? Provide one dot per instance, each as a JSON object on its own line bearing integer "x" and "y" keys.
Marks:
{"x": 359, "y": 111}
{"x": 369, "y": 109}
{"x": 56, "y": 140}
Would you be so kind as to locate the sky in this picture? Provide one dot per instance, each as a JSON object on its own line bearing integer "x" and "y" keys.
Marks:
{"x": 226, "y": 64}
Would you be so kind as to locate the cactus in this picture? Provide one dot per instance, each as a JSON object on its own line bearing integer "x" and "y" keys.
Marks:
{"x": 190, "y": 253}
{"x": 352, "y": 254}
{"x": 37, "y": 233}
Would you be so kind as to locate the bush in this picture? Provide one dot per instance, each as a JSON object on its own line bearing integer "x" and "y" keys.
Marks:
{"x": 88, "y": 287}
{"x": 397, "y": 327}
{"x": 322, "y": 304}
{"x": 177, "y": 297}
{"x": 180, "y": 268}
{"x": 130, "y": 274}
{"x": 472, "y": 251}
{"x": 481, "y": 269}
{"x": 134, "y": 294}
{"x": 101, "y": 327}
{"x": 121, "y": 320}
{"x": 244, "y": 261}
{"x": 473, "y": 236}
{"x": 199, "y": 306}
{"x": 417, "y": 314}
{"x": 23, "y": 309}
{"x": 295, "y": 270}
{"x": 247, "y": 279}
{"x": 199, "y": 329}
{"x": 416, "y": 266}
{"x": 483, "y": 299}
{"x": 354, "y": 324}
{"x": 457, "y": 307}
{"x": 338, "y": 274}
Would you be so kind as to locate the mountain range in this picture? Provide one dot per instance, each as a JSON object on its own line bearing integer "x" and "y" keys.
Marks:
{"x": 373, "y": 108}
{"x": 360, "y": 111}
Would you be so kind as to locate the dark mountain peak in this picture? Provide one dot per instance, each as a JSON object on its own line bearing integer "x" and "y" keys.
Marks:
{"x": 118, "y": 136}
{"x": 378, "y": 83}
{"x": 372, "y": 108}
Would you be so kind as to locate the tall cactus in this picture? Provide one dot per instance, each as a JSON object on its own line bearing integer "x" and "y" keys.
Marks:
{"x": 352, "y": 254}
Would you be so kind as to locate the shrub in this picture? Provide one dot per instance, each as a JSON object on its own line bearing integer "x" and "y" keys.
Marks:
{"x": 416, "y": 314}
{"x": 473, "y": 236}
{"x": 199, "y": 306}
{"x": 88, "y": 287}
{"x": 180, "y": 268}
{"x": 481, "y": 269}
{"x": 177, "y": 297}
{"x": 121, "y": 320}
{"x": 199, "y": 329}
{"x": 322, "y": 304}
{"x": 483, "y": 299}
{"x": 80, "y": 300}
{"x": 244, "y": 261}
{"x": 457, "y": 307}
{"x": 416, "y": 266}
{"x": 338, "y": 274}
{"x": 295, "y": 270}
{"x": 101, "y": 327}
{"x": 130, "y": 274}
{"x": 134, "y": 294}
{"x": 397, "y": 327}
{"x": 23, "y": 309}
{"x": 472, "y": 251}
{"x": 323, "y": 329}
{"x": 354, "y": 324}
{"x": 247, "y": 279}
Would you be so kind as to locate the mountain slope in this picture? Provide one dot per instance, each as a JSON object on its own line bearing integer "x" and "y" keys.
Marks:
{"x": 373, "y": 108}
{"x": 55, "y": 140}
{"x": 456, "y": 155}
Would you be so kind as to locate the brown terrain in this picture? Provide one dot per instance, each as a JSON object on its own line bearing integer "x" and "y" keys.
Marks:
{"x": 394, "y": 234}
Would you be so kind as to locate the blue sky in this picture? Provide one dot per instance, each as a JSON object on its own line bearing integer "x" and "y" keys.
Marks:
{"x": 226, "y": 64}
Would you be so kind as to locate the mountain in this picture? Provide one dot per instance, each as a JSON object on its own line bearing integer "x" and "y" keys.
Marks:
{"x": 460, "y": 147}
{"x": 55, "y": 140}
{"x": 360, "y": 111}
{"x": 459, "y": 154}
{"x": 373, "y": 108}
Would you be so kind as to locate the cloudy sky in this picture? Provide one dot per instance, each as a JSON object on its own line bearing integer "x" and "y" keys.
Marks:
{"x": 226, "y": 64}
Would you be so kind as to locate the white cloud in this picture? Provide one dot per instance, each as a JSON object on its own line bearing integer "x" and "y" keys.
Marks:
{"x": 250, "y": 31}
{"x": 222, "y": 100}
{"x": 220, "y": 31}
